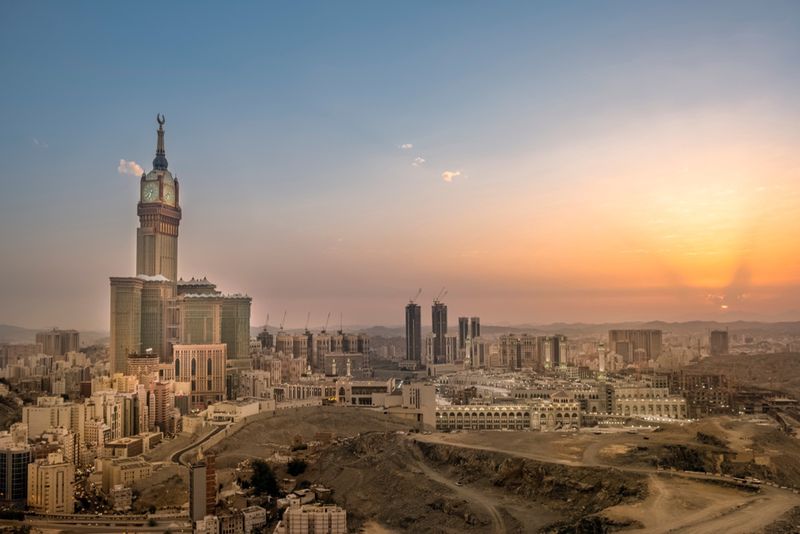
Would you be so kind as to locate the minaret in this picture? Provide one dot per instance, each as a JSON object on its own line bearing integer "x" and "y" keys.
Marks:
{"x": 601, "y": 364}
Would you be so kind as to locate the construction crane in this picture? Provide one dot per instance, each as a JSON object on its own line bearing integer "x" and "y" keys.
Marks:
{"x": 266, "y": 323}
{"x": 341, "y": 324}
{"x": 441, "y": 295}
{"x": 414, "y": 299}
{"x": 327, "y": 320}
{"x": 283, "y": 320}
{"x": 308, "y": 318}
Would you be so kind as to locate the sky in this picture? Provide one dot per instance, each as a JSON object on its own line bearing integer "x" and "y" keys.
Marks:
{"x": 543, "y": 161}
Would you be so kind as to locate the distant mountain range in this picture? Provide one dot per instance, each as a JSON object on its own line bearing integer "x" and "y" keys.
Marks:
{"x": 18, "y": 334}
{"x": 785, "y": 328}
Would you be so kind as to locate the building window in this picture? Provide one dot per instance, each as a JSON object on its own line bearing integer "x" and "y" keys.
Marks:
{"x": 194, "y": 367}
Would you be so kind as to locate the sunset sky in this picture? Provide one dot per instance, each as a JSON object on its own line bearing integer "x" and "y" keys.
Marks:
{"x": 560, "y": 161}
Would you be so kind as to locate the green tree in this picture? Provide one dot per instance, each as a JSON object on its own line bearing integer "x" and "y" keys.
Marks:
{"x": 296, "y": 466}
{"x": 263, "y": 480}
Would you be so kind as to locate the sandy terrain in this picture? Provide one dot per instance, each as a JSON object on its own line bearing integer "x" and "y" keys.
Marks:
{"x": 266, "y": 433}
{"x": 677, "y": 502}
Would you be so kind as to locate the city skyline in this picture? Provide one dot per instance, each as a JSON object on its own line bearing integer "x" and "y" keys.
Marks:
{"x": 537, "y": 178}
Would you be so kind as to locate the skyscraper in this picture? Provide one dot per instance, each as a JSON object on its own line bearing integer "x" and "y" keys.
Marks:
{"x": 463, "y": 332}
{"x": 57, "y": 342}
{"x": 126, "y": 321}
{"x": 718, "y": 342}
{"x": 647, "y": 339}
{"x": 474, "y": 327}
{"x": 154, "y": 310}
{"x": 439, "y": 322}
{"x": 198, "y": 500}
{"x": 143, "y": 308}
{"x": 159, "y": 217}
{"x": 414, "y": 332}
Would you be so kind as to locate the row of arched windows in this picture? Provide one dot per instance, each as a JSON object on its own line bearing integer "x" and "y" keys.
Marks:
{"x": 209, "y": 367}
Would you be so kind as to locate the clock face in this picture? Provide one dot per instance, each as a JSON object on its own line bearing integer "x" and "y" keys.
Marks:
{"x": 150, "y": 192}
{"x": 169, "y": 194}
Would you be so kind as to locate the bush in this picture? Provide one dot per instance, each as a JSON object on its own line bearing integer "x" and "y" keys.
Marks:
{"x": 296, "y": 466}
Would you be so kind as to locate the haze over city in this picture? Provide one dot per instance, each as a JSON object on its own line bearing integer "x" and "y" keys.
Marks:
{"x": 583, "y": 162}
{"x": 356, "y": 267}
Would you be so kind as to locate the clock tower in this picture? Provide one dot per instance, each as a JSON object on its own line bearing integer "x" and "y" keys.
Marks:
{"x": 159, "y": 216}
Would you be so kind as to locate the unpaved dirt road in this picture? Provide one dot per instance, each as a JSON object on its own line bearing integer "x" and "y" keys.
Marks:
{"x": 678, "y": 501}
{"x": 466, "y": 493}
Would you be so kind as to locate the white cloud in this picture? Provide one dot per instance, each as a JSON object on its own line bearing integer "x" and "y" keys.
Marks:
{"x": 406, "y": 146}
{"x": 448, "y": 176}
{"x": 40, "y": 144}
{"x": 130, "y": 167}
{"x": 418, "y": 161}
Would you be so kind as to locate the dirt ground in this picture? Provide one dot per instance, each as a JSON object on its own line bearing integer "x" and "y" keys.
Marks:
{"x": 267, "y": 434}
{"x": 504, "y": 481}
{"x": 168, "y": 487}
{"x": 676, "y": 501}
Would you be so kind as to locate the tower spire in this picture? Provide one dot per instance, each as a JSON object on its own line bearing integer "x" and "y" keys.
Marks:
{"x": 160, "y": 161}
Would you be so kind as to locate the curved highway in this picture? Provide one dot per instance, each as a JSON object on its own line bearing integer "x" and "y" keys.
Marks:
{"x": 176, "y": 457}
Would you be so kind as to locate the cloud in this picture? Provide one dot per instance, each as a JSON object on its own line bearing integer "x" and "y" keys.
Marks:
{"x": 406, "y": 146}
{"x": 448, "y": 176}
{"x": 418, "y": 161}
{"x": 40, "y": 144}
{"x": 130, "y": 167}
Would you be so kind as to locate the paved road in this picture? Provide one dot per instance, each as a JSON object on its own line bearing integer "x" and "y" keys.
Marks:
{"x": 176, "y": 457}
{"x": 101, "y": 526}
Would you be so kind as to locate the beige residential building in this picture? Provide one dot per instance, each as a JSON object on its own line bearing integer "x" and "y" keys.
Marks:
{"x": 51, "y": 412}
{"x": 50, "y": 485}
{"x": 162, "y": 403}
{"x": 284, "y": 343}
{"x": 313, "y": 519}
{"x": 203, "y": 366}
{"x": 300, "y": 347}
{"x": 59, "y": 342}
{"x": 125, "y": 471}
{"x": 144, "y": 367}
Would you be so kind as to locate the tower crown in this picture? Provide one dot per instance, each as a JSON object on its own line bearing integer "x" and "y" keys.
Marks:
{"x": 160, "y": 161}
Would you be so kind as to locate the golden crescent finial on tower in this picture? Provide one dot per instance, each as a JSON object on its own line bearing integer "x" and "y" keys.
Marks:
{"x": 160, "y": 119}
